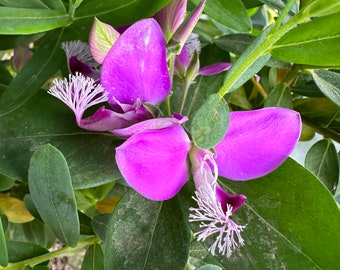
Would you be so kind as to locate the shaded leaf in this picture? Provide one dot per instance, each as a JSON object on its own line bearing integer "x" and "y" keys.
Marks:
{"x": 313, "y": 43}
{"x": 99, "y": 224}
{"x": 119, "y": 12}
{"x": 6, "y": 182}
{"x": 280, "y": 96}
{"x": 329, "y": 84}
{"x": 52, "y": 193}
{"x": 322, "y": 160}
{"x": 151, "y": 226}
{"x": 45, "y": 62}
{"x": 210, "y": 122}
{"x": 19, "y": 251}
{"x": 3, "y": 247}
{"x": 93, "y": 259}
{"x": 231, "y": 13}
{"x": 46, "y": 120}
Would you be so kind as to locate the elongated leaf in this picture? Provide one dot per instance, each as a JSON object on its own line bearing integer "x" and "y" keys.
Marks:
{"x": 93, "y": 259}
{"x": 19, "y": 251}
{"x": 139, "y": 230}
{"x": 313, "y": 8}
{"x": 23, "y": 21}
{"x": 329, "y": 84}
{"x": 52, "y": 192}
{"x": 284, "y": 213}
{"x": 3, "y": 247}
{"x": 45, "y": 62}
{"x": 35, "y": 4}
{"x": 322, "y": 160}
{"x": 210, "y": 122}
{"x": 231, "y": 13}
{"x": 119, "y": 12}
{"x": 312, "y": 43}
{"x": 45, "y": 119}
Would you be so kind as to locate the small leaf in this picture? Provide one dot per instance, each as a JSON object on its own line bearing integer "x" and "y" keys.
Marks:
{"x": 322, "y": 160}
{"x": 6, "y": 182}
{"x": 313, "y": 43}
{"x": 329, "y": 84}
{"x": 14, "y": 209}
{"x": 139, "y": 230}
{"x": 3, "y": 247}
{"x": 52, "y": 192}
{"x": 102, "y": 38}
{"x": 93, "y": 259}
{"x": 280, "y": 96}
{"x": 231, "y": 13}
{"x": 210, "y": 122}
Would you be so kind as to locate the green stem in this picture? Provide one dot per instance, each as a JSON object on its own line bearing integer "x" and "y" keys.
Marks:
{"x": 283, "y": 14}
{"x": 46, "y": 257}
{"x": 262, "y": 49}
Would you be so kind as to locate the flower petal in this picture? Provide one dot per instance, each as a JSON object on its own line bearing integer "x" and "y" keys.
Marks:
{"x": 257, "y": 142}
{"x": 136, "y": 67}
{"x": 215, "y": 68}
{"x": 153, "y": 162}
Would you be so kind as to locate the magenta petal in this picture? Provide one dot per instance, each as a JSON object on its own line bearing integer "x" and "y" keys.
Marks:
{"x": 257, "y": 142}
{"x": 154, "y": 162}
{"x": 215, "y": 68}
{"x": 234, "y": 200}
{"x": 136, "y": 67}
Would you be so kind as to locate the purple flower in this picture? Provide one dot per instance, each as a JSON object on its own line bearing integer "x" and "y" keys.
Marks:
{"x": 153, "y": 161}
{"x": 134, "y": 77}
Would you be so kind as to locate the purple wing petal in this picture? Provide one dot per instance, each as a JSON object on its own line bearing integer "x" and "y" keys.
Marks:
{"x": 257, "y": 142}
{"x": 154, "y": 162}
{"x": 135, "y": 67}
{"x": 215, "y": 68}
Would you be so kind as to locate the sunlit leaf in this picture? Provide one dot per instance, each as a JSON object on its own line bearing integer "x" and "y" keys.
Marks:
{"x": 52, "y": 193}
{"x": 14, "y": 209}
{"x": 322, "y": 160}
{"x": 151, "y": 226}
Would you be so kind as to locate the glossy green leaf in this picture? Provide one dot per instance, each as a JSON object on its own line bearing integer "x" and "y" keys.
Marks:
{"x": 45, "y": 119}
{"x": 231, "y": 13}
{"x": 93, "y": 259}
{"x": 322, "y": 160}
{"x": 3, "y": 247}
{"x": 313, "y": 8}
{"x": 37, "y": 4}
{"x": 284, "y": 214}
{"x": 24, "y": 21}
{"x": 119, "y": 12}
{"x": 280, "y": 96}
{"x": 139, "y": 231}
{"x": 46, "y": 61}
{"x": 312, "y": 43}
{"x": 329, "y": 84}
{"x": 52, "y": 192}
{"x": 210, "y": 122}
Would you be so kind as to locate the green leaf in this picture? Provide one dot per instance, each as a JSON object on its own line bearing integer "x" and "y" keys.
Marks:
{"x": 280, "y": 96}
{"x": 3, "y": 247}
{"x": 24, "y": 21}
{"x": 93, "y": 259}
{"x": 52, "y": 192}
{"x": 35, "y": 4}
{"x": 99, "y": 224}
{"x": 284, "y": 213}
{"x": 119, "y": 12}
{"x": 139, "y": 231}
{"x": 209, "y": 267}
{"x": 210, "y": 122}
{"x": 322, "y": 160}
{"x": 6, "y": 182}
{"x": 329, "y": 84}
{"x": 46, "y": 61}
{"x": 231, "y": 13}
{"x": 43, "y": 120}
{"x": 19, "y": 251}
{"x": 312, "y": 8}
{"x": 312, "y": 43}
